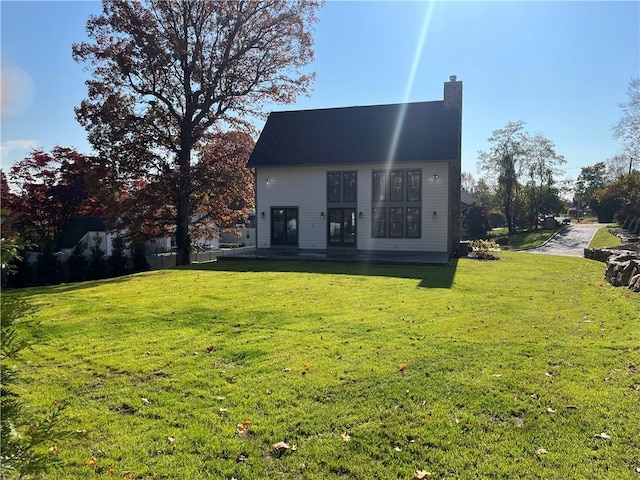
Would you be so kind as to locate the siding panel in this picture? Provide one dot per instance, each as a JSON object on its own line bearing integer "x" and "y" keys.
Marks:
{"x": 305, "y": 188}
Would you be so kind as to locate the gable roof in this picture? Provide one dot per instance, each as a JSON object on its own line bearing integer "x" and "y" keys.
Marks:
{"x": 78, "y": 228}
{"x": 348, "y": 135}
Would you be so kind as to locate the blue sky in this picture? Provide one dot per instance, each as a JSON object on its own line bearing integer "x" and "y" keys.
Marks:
{"x": 561, "y": 67}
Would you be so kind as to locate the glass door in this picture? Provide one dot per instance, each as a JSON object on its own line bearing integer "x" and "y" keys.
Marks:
{"x": 342, "y": 227}
{"x": 284, "y": 226}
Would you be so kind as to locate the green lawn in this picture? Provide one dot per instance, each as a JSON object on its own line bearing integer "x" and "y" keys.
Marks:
{"x": 604, "y": 238}
{"x": 504, "y": 369}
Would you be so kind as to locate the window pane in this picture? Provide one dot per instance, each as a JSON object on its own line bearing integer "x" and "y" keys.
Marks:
{"x": 379, "y": 186}
{"x": 349, "y": 187}
{"x": 292, "y": 226}
{"x": 395, "y": 222}
{"x": 413, "y": 222}
{"x": 333, "y": 187}
{"x": 413, "y": 185}
{"x": 349, "y": 226}
{"x": 379, "y": 220}
{"x": 395, "y": 186}
{"x": 334, "y": 225}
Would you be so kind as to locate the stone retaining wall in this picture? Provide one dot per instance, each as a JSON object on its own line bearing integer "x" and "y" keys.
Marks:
{"x": 623, "y": 265}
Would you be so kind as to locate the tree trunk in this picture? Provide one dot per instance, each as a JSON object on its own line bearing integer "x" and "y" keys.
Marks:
{"x": 183, "y": 240}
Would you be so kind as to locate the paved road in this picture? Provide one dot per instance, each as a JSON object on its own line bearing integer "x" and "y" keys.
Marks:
{"x": 571, "y": 241}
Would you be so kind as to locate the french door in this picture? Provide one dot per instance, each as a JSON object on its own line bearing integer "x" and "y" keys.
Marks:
{"x": 284, "y": 227}
{"x": 342, "y": 227}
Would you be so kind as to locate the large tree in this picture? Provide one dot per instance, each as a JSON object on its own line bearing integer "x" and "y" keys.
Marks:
{"x": 525, "y": 169}
{"x": 504, "y": 162}
{"x": 591, "y": 178}
{"x": 541, "y": 173}
{"x": 222, "y": 191}
{"x": 627, "y": 130}
{"x": 167, "y": 73}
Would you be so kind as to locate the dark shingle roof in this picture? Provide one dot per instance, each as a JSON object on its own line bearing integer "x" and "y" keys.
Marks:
{"x": 358, "y": 135}
{"x": 77, "y": 228}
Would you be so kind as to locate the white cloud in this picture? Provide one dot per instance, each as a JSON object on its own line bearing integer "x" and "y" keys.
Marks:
{"x": 13, "y": 150}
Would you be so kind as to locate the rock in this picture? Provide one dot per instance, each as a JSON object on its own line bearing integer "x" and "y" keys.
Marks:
{"x": 622, "y": 269}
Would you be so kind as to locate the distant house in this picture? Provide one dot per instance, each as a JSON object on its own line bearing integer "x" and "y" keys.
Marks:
{"x": 369, "y": 178}
{"x": 86, "y": 231}
{"x": 244, "y": 235}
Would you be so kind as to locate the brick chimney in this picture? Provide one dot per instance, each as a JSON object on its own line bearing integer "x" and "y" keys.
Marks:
{"x": 453, "y": 100}
{"x": 453, "y": 94}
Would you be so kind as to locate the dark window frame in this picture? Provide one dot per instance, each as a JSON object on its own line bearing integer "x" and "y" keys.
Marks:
{"x": 385, "y": 197}
{"x": 377, "y": 232}
{"x": 408, "y": 225}
{"x": 337, "y": 193}
{"x": 287, "y": 242}
{"x": 396, "y": 222}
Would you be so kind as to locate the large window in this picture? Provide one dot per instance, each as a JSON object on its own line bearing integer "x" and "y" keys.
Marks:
{"x": 342, "y": 187}
{"x": 396, "y": 203}
{"x": 342, "y": 197}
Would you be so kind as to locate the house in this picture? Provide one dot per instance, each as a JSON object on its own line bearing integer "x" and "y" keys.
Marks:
{"x": 240, "y": 235}
{"x": 382, "y": 178}
{"x": 87, "y": 232}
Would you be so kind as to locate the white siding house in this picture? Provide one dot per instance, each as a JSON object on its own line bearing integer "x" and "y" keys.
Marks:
{"x": 376, "y": 178}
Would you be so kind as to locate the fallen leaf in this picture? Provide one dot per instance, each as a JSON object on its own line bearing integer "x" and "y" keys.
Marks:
{"x": 211, "y": 348}
{"x": 402, "y": 367}
{"x": 54, "y": 449}
{"x": 551, "y": 410}
{"x": 345, "y": 436}
{"x": 497, "y": 375}
{"x": 246, "y": 423}
{"x": 280, "y": 446}
{"x": 397, "y": 449}
{"x": 111, "y": 471}
{"x": 242, "y": 457}
{"x": 602, "y": 435}
{"x": 128, "y": 474}
{"x": 224, "y": 410}
{"x": 572, "y": 407}
{"x": 547, "y": 374}
{"x": 146, "y": 401}
{"x": 421, "y": 474}
{"x": 541, "y": 451}
{"x": 241, "y": 429}
{"x": 91, "y": 462}
{"x": 294, "y": 448}
{"x": 171, "y": 439}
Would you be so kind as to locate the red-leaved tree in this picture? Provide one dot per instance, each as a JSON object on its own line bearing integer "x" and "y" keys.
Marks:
{"x": 222, "y": 192}
{"x": 164, "y": 74}
{"x": 49, "y": 189}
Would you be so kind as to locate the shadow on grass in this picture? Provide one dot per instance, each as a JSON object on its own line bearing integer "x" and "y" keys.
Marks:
{"x": 430, "y": 276}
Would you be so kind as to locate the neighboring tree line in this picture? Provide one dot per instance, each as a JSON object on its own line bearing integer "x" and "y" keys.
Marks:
{"x": 612, "y": 188}
{"x": 522, "y": 177}
{"x": 42, "y": 194}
